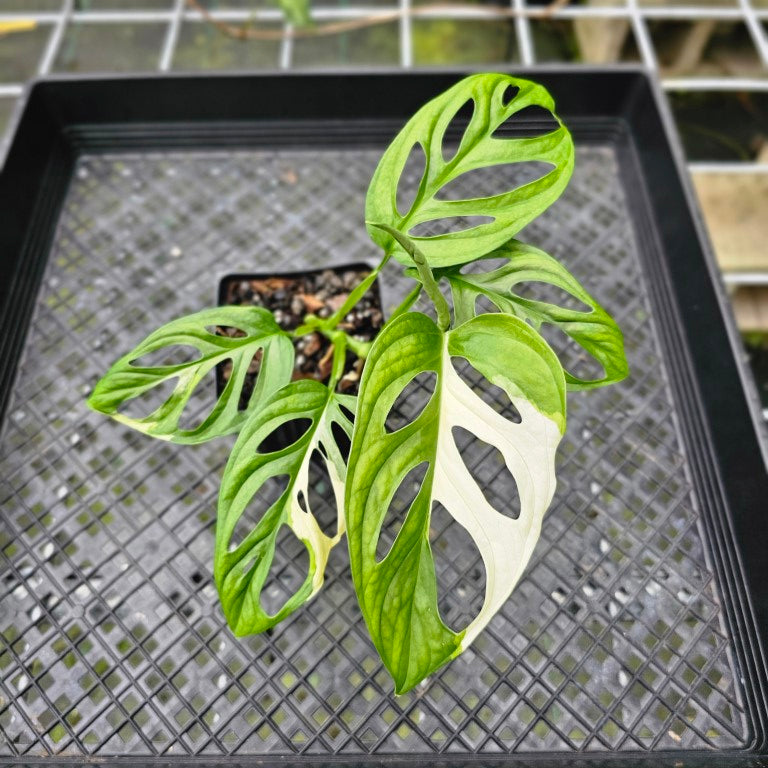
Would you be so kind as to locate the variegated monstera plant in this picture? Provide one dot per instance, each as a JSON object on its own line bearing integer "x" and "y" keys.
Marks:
{"x": 398, "y": 592}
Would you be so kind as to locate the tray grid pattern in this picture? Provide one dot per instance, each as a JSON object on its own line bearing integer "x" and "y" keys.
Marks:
{"x": 113, "y": 641}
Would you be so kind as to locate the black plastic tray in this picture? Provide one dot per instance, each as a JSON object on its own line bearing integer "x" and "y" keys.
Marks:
{"x": 608, "y": 651}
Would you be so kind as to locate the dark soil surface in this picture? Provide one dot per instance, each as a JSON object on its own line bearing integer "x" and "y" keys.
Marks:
{"x": 291, "y": 297}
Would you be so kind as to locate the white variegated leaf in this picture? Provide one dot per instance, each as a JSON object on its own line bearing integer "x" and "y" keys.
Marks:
{"x": 130, "y": 377}
{"x": 241, "y": 568}
{"x": 398, "y": 594}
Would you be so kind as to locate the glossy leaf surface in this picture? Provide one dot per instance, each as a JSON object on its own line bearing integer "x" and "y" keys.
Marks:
{"x": 241, "y": 568}
{"x": 128, "y": 379}
{"x": 495, "y": 99}
{"x": 398, "y": 594}
{"x": 594, "y": 330}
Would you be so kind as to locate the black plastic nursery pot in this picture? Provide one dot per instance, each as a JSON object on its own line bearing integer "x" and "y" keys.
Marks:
{"x": 635, "y": 636}
{"x": 291, "y": 296}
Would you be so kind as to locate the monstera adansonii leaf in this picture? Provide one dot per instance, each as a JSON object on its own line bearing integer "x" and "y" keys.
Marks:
{"x": 129, "y": 378}
{"x": 398, "y": 594}
{"x": 496, "y": 98}
{"x": 242, "y": 561}
{"x": 593, "y": 330}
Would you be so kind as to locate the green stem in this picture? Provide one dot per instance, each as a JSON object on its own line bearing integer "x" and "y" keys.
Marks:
{"x": 314, "y": 324}
{"x": 360, "y": 348}
{"x": 431, "y": 288}
{"x": 355, "y": 296}
{"x": 339, "y": 341}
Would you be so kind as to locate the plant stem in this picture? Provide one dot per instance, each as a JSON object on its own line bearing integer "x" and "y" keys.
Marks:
{"x": 327, "y": 327}
{"x": 431, "y": 288}
{"x": 360, "y": 348}
{"x": 355, "y": 296}
{"x": 339, "y": 341}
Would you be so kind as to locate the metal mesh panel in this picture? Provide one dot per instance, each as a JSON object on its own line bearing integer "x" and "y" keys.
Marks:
{"x": 113, "y": 639}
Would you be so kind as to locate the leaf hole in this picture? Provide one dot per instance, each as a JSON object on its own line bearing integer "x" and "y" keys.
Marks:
{"x": 455, "y": 129}
{"x": 349, "y": 414}
{"x": 510, "y": 92}
{"x": 528, "y": 123}
{"x": 341, "y": 438}
{"x": 491, "y": 394}
{"x": 493, "y": 180}
{"x": 200, "y": 403}
{"x": 401, "y": 502}
{"x": 411, "y": 401}
{"x": 484, "y": 306}
{"x": 486, "y": 464}
{"x": 146, "y": 403}
{"x": 537, "y": 290}
{"x": 573, "y": 357}
{"x": 173, "y": 354}
{"x": 321, "y": 499}
{"x": 254, "y": 511}
{"x": 226, "y": 330}
{"x": 250, "y": 380}
{"x": 289, "y": 570}
{"x": 484, "y": 265}
{"x": 410, "y": 179}
{"x": 284, "y": 435}
{"x": 302, "y": 501}
{"x": 448, "y": 225}
{"x": 459, "y": 570}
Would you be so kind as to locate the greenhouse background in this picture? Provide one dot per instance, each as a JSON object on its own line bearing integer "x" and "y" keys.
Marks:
{"x": 130, "y": 196}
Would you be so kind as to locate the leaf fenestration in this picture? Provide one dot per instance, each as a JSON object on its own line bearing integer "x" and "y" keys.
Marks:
{"x": 594, "y": 330}
{"x": 127, "y": 379}
{"x": 510, "y": 210}
{"x": 240, "y": 574}
{"x": 398, "y": 594}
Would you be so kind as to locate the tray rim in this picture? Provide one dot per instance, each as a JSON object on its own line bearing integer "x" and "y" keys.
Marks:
{"x": 55, "y": 100}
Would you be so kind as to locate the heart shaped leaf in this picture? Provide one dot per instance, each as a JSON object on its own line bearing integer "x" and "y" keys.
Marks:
{"x": 241, "y": 568}
{"x": 509, "y": 210}
{"x": 594, "y": 330}
{"x": 128, "y": 378}
{"x": 398, "y": 594}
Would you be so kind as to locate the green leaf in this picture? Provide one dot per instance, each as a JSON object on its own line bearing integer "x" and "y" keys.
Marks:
{"x": 511, "y": 210}
{"x": 126, "y": 380}
{"x": 241, "y": 568}
{"x": 594, "y": 330}
{"x": 398, "y": 595}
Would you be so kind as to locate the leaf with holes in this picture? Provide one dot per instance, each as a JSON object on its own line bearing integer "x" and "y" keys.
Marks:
{"x": 398, "y": 594}
{"x": 127, "y": 379}
{"x": 241, "y": 568}
{"x": 479, "y": 147}
{"x": 594, "y": 330}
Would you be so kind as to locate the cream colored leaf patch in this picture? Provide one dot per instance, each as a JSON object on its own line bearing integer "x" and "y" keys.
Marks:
{"x": 242, "y": 564}
{"x": 398, "y": 594}
{"x": 143, "y": 371}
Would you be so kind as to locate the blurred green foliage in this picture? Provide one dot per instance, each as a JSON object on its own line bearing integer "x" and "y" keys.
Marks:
{"x": 453, "y": 41}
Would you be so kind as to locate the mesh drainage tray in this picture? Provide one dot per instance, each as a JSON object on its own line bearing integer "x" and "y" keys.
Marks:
{"x": 633, "y": 633}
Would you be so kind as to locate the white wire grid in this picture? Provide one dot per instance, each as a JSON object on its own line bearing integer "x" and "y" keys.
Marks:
{"x": 753, "y": 14}
{"x": 743, "y": 11}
